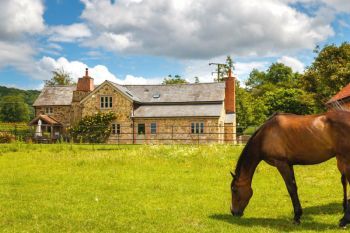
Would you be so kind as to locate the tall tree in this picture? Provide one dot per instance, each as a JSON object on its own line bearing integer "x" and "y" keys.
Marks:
{"x": 59, "y": 77}
{"x": 328, "y": 73}
{"x": 289, "y": 100}
{"x": 14, "y": 109}
{"x": 177, "y": 79}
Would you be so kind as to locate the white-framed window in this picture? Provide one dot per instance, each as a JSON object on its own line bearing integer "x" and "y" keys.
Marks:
{"x": 197, "y": 127}
{"x": 153, "y": 128}
{"x": 49, "y": 110}
{"x": 106, "y": 102}
{"x": 116, "y": 129}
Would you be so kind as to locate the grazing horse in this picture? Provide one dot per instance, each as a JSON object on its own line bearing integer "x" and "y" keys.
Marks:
{"x": 285, "y": 140}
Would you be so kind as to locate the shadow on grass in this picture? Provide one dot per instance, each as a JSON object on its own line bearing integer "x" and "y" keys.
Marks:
{"x": 286, "y": 224}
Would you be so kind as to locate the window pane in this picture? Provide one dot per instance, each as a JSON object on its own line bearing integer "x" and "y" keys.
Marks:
{"x": 102, "y": 102}
{"x": 202, "y": 127}
{"x": 197, "y": 127}
{"x": 153, "y": 128}
{"x": 110, "y": 102}
{"x": 141, "y": 128}
{"x": 118, "y": 128}
{"x": 106, "y": 102}
{"x": 192, "y": 128}
{"x": 113, "y": 128}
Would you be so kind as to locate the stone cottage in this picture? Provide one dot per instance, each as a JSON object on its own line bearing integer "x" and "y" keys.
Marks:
{"x": 179, "y": 113}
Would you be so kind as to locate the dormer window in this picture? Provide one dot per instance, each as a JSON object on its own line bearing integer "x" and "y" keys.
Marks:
{"x": 48, "y": 110}
{"x": 106, "y": 102}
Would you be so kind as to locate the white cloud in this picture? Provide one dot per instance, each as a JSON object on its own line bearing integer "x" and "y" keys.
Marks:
{"x": 292, "y": 62}
{"x": 19, "y": 19}
{"x": 243, "y": 69}
{"x": 203, "y": 29}
{"x": 68, "y": 33}
{"x": 16, "y": 54}
{"x": 76, "y": 69}
{"x": 20, "y": 16}
{"x": 204, "y": 72}
{"x": 132, "y": 80}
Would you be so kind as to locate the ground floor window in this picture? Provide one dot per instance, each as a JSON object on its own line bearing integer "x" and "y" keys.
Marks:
{"x": 141, "y": 129}
{"x": 115, "y": 128}
{"x": 153, "y": 128}
{"x": 197, "y": 127}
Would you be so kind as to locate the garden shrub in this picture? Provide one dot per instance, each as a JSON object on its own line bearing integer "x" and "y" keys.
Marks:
{"x": 93, "y": 129}
{"x": 6, "y": 137}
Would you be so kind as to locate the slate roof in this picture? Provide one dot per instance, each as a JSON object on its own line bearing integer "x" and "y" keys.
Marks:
{"x": 342, "y": 94}
{"x": 201, "y": 92}
{"x": 186, "y": 94}
{"x": 55, "y": 95}
{"x": 126, "y": 91}
{"x": 189, "y": 110}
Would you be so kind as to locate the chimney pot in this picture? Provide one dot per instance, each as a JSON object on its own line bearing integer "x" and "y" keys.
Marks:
{"x": 87, "y": 72}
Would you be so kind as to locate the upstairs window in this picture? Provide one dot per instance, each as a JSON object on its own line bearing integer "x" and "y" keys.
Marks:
{"x": 106, "y": 102}
{"x": 48, "y": 110}
{"x": 197, "y": 127}
{"x": 153, "y": 128}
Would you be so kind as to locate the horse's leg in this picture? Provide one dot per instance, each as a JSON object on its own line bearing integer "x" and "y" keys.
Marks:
{"x": 345, "y": 199}
{"x": 287, "y": 173}
{"x": 341, "y": 167}
{"x": 346, "y": 219}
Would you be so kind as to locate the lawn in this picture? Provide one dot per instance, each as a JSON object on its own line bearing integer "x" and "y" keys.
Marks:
{"x": 85, "y": 188}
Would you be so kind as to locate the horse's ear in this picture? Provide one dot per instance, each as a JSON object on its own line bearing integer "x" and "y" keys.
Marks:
{"x": 233, "y": 175}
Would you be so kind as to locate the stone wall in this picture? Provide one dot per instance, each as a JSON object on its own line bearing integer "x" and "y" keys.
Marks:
{"x": 169, "y": 130}
{"x": 122, "y": 107}
{"x": 60, "y": 113}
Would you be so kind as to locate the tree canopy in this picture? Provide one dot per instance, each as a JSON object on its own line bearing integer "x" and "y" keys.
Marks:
{"x": 177, "y": 79}
{"x": 14, "y": 109}
{"x": 329, "y": 73}
{"x": 59, "y": 77}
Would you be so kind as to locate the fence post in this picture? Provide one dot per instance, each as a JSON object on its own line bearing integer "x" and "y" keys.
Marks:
{"x": 15, "y": 131}
{"x": 172, "y": 134}
{"x": 198, "y": 138}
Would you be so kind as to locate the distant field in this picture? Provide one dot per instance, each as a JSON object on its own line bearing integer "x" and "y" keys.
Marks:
{"x": 73, "y": 188}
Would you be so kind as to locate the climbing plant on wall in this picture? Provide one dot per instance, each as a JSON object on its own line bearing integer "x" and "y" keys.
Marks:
{"x": 93, "y": 129}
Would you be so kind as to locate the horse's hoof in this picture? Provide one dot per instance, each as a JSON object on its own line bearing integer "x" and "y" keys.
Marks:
{"x": 342, "y": 223}
{"x": 296, "y": 222}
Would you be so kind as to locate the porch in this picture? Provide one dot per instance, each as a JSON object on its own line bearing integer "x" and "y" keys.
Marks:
{"x": 46, "y": 129}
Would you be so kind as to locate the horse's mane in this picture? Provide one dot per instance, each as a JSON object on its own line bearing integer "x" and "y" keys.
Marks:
{"x": 244, "y": 154}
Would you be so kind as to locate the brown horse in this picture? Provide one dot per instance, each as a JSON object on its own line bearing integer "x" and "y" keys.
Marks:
{"x": 286, "y": 140}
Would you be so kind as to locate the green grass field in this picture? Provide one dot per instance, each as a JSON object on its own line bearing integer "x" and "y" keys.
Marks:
{"x": 85, "y": 188}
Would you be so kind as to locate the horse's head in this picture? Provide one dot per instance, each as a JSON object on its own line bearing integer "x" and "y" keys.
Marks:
{"x": 241, "y": 194}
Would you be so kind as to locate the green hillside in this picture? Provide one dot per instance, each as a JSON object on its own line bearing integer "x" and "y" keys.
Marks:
{"x": 28, "y": 96}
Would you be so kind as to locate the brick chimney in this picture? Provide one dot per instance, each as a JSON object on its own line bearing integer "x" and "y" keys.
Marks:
{"x": 230, "y": 93}
{"x": 85, "y": 83}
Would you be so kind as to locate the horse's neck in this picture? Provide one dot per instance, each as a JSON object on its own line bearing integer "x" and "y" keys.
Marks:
{"x": 247, "y": 169}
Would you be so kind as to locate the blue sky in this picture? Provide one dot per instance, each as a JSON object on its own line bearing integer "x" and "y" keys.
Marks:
{"x": 142, "y": 41}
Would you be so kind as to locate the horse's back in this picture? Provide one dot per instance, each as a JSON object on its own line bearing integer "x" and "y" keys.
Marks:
{"x": 297, "y": 139}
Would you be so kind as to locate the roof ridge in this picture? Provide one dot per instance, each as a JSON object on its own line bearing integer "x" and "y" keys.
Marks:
{"x": 175, "y": 84}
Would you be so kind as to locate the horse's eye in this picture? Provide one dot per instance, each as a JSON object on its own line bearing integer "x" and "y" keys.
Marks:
{"x": 234, "y": 189}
